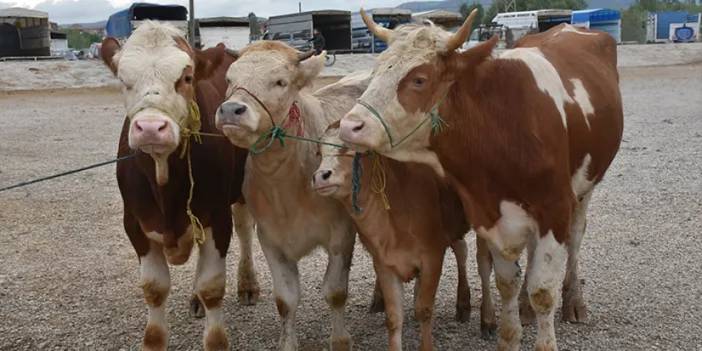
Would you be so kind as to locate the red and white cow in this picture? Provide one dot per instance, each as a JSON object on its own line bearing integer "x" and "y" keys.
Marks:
{"x": 528, "y": 134}
{"x": 165, "y": 83}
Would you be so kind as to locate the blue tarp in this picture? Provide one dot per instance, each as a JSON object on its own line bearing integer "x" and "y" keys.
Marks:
{"x": 596, "y": 15}
{"x": 666, "y": 18}
{"x": 119, "y": 25}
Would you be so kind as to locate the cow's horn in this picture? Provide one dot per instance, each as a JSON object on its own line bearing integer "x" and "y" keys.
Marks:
{"x": 457, "y": 39}
{"x": 301, "y": 56}
{"x": 233, "y": 52}
{"x": 380, "y": 32}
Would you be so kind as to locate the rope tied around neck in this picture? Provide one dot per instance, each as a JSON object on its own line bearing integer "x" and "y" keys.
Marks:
{"x": 191, "y": 129}
{"x": 379, "y": 180}
{"x": 436, "y": 123}
{"x": 356, "y": 182}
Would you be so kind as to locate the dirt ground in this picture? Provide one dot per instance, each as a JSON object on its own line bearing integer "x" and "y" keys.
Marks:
{"x": 68, "y": 276}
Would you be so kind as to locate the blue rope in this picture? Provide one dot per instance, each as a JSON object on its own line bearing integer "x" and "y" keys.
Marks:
{"x": 356, "y": 181}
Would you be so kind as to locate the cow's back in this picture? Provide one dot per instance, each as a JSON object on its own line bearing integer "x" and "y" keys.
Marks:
{"x": 587, "y": 64}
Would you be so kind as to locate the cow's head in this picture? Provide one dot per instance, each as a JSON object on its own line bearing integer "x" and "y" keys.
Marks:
{"x": 157, "y": 69}
{"x": 263, "y": 84}
{"x": 411, "y": 79}
{"x": 334, "y": 174}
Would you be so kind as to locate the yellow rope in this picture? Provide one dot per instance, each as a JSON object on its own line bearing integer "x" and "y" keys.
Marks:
{"x": 379, "y": 180}
{"x": 191, "y": 128}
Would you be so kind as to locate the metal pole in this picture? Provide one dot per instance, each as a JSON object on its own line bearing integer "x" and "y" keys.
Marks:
{"x": 299, "y": 7}
{"x": 192, "y": 23}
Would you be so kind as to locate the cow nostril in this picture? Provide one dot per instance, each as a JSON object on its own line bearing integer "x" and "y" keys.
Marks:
{"x": 138, "y": 127}
{"x": 326, "y": 175}
{"x": 162, "y": 127}
{"x": 240, "y": 110}
{"x": 359, "y": 127}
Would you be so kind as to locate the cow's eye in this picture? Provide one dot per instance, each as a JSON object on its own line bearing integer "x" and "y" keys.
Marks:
{"x": 188, "y": 79}
{"x": 419, "y": 82}
{"x": 281, "y": 83}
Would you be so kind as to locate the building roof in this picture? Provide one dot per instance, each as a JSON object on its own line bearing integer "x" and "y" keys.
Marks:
{"x": 21, "y": 12}
{"x": 596, "y": 15}
{"x": 439, "y": 14}
{"x": 223, "y": 21}
{"x": 314, "y": 13}
{"x": 387, "y": 11}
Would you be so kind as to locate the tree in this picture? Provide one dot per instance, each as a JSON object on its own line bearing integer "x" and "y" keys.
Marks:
{"x": 467, "y": 9}
{"x": 78, "y": 39}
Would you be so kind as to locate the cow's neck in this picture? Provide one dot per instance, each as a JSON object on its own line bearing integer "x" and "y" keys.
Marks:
{"x": 295, "y": 157}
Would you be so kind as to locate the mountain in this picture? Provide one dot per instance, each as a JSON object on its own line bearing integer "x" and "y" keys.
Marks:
{"x": 93, "y": 25}
{"x": 454, "y": 5}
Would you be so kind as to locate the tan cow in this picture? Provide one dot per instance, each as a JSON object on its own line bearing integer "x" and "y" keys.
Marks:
{"x": 528, "y": 134}
{"x": 409, "y": 217}
{"x": 163, "y": 82}
{"x": 266, "y": 88}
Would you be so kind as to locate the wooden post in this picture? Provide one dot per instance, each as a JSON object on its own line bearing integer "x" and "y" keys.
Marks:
{"x": 191, "y": 25}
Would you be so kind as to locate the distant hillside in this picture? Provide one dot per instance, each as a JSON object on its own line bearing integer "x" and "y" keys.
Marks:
{"x": 93, "y": 25}
{"x": 454, "y": 5}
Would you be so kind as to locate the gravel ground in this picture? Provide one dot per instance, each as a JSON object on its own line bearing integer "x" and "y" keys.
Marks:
{"x": 68, "y": 276}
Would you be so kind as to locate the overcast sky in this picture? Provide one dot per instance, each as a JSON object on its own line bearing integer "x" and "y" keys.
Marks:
{"x": 76, "y": 11}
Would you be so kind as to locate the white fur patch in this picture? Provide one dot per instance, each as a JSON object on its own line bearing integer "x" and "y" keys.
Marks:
{"x": 580, "y": 182}
{"x": 154, "y": 270}
{"x": 511, "y": 232}
{"x": 545, "y": 75}
{"x": 582, "y": 98}
{"x": 210, "y": 271}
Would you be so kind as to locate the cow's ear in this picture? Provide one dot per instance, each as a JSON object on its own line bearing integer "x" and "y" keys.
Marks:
{"x": 207, "y": 61}
{"x": 109, "y": 49}
{"x": 474, "y": 56}
{"x": 309, "y": 69}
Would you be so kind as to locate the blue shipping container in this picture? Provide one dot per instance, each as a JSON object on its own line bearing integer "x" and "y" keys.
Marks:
{"x": 664, "y": 19}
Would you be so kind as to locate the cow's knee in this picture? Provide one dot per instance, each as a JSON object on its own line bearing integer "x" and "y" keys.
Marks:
{"x": 155, "y": 293}
{"x": 542, "y": 300}
{"x": 216, "y": 339}
{"x": 423, "y": 313}
{"x": 211, "y": 292}
{"x": 155, "y": 338}
{"x": 336, "y": 299}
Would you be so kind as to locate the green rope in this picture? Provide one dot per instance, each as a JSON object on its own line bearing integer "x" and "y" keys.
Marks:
{"x": 356, "y": 182}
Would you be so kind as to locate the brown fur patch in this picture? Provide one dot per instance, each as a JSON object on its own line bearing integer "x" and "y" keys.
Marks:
{"x": 154, "y": 295}
{"x": 216, "y": 339}
{"x": 337, "y": 299}
{"x": 342, "y": 344}
{"x": 393, "y": 322}
{"x": 541, "y": 300}
{"x": 212, "y": 294}
{"x": 282, "y": 307}
{"x": 155, "y": 338}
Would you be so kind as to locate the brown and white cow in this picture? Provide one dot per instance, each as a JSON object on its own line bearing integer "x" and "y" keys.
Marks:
{"x": 408, "y": 239}
{"x": 529, "y": 133}
{"x": 161, "y": 77}
{"x": 266, "y": 87}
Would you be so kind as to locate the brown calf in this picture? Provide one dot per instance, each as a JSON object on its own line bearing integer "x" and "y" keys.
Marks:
{"x": 409, "y": 239}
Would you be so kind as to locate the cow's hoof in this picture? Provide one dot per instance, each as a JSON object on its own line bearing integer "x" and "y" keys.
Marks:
{"x": 197, "y": 310}
{"x": 575, "y": 311}
{"x": 155, "y": 338}
{"x": 488, "y": 331}
{"x": 377, "y": 305}
{"x": 462, "y": 313}
{"x": 526, "y": 313}
{"x": 216, "y": 339}
{"x": 341, "y": 344}
{"x": 248, "y": 297}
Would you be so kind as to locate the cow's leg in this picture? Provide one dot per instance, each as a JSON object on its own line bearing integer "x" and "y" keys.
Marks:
{"x": 526, "y": 312}
{"x": 545, "y": 278}
{"x": 391, "y": 285}
{"x": 286, "y": 288}
{"x": 460, "y": 251}
{"x": 377, "y": 304}
{"x": 488, "y": 323}
{"x": 247, "y": 288}
{"x": 156, "y": 284}
{"x": 335, "y": 286}
{"x": 574, "y": 308}
{"x": 424, "y": 301}
{"x": 508, "y": 278}
{"x": 210, "y": 284}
